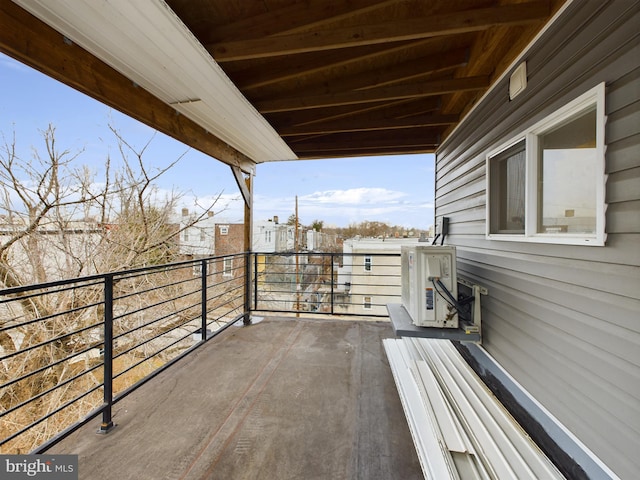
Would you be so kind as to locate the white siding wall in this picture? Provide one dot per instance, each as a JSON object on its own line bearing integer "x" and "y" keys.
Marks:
{"x": 563, "y": 320}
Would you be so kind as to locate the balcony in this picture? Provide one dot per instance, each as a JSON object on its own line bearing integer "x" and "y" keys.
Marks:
{"x": 200, "y": 370}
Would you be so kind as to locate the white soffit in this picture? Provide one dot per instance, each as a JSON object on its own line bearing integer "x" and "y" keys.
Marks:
{"x": 145, "y": 41}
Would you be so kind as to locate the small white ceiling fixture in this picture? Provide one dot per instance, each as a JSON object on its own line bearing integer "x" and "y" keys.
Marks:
{"x": 147, "y": 42}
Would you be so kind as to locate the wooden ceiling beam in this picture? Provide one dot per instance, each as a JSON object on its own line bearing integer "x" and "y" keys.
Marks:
{"x": 392, "y": 31}
{"x": 406, "y": 71}
{"x": 364, "y": 150}
{"x": 347, "y": 141}
{"x": 294, "y": 18}
{"x": 397, "y": 92}
{"x": 34, "y": 43}
{"x": 291, "y": 68}
{"x": 396, "y": 109}
{"x": 369, "y": 152}
{"x": 369, "y": 123}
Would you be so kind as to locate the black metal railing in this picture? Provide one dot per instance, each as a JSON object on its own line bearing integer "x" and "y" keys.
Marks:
{"x": 326, "y": 283}
{"x": 70, "y": 349}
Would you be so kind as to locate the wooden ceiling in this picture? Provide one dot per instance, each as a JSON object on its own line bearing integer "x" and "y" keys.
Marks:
{"x": 333, "y": 78}
{"x": 364, "y": 77}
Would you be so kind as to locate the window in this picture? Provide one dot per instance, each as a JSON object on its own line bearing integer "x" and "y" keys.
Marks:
{"x": 367, "y": 303}
{"x": 203, "y": 235}
{"x": 224, "y": 230}
{"x": 227, "y": 267}
{"x": 547, "y": 185}
{"x": 508, "y": 190}
{"x": 367, "y": 263}
{"x": 185, "y": 235}
{"x": 566, "y": 180}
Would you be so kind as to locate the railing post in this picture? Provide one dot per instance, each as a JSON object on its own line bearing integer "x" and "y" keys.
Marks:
{"x": 247, "y": 289}
{"x": 107, "y": 421}
{"x": 255, "y": 281}
{"x": 203, "y": 299}
{"x": 332, "y": 283}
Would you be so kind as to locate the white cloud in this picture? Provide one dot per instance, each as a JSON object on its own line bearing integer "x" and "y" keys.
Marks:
{"x": 342, "y": 207}
{"x": 353, "y": 196}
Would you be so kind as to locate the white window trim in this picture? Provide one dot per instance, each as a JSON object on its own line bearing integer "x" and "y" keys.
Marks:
{"x": 227, "y": 269}
{"x": 367, "y": 305}
{"x": 369, "y": 263}
{"x": 595, "y": 95}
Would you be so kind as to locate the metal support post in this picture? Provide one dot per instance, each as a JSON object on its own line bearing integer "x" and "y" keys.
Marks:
{"x": 247, "y": 288}
{"x": 332, "y": 283}
{"x": 255, "y": 281}
{"x": 107, "y": 421}
{"x": 203, "y": 300}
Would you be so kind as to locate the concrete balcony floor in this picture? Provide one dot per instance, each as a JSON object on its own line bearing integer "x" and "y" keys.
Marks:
{"x": 279, "y": 399}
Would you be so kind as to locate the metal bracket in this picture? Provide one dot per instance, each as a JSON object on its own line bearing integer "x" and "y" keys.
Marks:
{"x": 476, "y": 291}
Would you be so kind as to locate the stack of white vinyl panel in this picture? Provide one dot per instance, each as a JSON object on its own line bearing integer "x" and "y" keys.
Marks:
{"x": 460, "y": 430}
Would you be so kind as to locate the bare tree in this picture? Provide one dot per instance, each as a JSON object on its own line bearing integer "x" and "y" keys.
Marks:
{"x": 60, "y": 220}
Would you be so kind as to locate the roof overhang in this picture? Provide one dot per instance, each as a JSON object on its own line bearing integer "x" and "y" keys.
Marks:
{"x": 147, "y": 43}
{"x": 251, "y": 82}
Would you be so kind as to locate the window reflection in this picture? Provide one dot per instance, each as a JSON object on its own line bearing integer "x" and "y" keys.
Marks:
{"x": 567, "y": 177}
{"x": 508, "y": 186}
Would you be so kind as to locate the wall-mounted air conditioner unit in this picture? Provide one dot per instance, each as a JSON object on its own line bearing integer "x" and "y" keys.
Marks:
{"x": 429, "y": 285}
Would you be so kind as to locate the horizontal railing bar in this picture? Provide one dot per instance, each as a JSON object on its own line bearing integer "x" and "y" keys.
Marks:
{"x": 44, "y": 287}
{"x": 124, "y": 352}
{"x": 70, "y": 284}
{"x": 153, "y": 305}
{"x": 50, "y": 390}
{"x": 50, "y": 317}
{"x": 98, "y": 411}
{"x": 173, "y": 361}
{"x": 49, "y": 365}
{"x": 47, "y": 342}
{"x": 230, "y": 301}
{"x": 116, "y": 275}
{"x": 49, "y": 415}
{"x": 141, "y": 292}
{"x": 139, "y": 327}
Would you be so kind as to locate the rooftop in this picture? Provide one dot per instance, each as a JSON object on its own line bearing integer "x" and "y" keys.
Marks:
{"x": 281, "y": 398}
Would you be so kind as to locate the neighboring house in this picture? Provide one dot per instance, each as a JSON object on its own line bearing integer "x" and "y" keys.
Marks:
{"x": 369, "y": 277}
{"x": 543, "y": 196}
{"x": 269, "y": 236}
{"x": 197, "y": 240}
{"x": 229, "y": 241}
{"x": 320, "y": 241}
{"x": 55, "y": 253}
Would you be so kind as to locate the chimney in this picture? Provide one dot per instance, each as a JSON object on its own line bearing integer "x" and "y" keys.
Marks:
{"x": 185, "y": 212}
{"x": 275, "y": 219}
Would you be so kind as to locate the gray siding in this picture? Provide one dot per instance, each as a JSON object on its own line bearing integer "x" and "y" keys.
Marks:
{"x": 563, "y": 320}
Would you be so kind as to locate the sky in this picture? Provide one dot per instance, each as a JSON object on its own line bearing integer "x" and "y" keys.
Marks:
{"x": 397, "y": 190}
